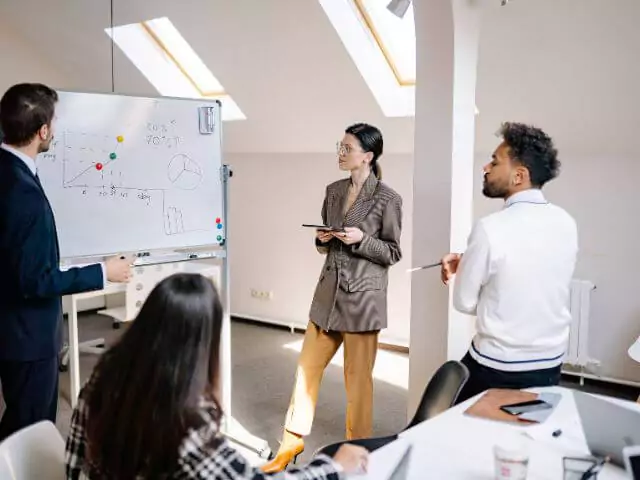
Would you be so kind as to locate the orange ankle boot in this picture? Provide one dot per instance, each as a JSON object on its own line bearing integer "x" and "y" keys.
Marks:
{"x": 292, "y": 445}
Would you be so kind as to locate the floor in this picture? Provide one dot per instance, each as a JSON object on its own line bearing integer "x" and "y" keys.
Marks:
{"x": 263, "y": 377}
{"x": 262, "y": 382}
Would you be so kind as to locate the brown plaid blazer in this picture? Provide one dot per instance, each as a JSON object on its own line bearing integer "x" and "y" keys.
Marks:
{"x": 351, "y": 295}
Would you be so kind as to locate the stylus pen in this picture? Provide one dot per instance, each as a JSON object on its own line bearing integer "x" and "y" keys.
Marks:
{"x": 424, "y": 267}
{"x": 594, "y": 469}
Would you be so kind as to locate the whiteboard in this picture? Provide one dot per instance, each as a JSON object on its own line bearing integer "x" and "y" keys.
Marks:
{"x": 131, "y": 174}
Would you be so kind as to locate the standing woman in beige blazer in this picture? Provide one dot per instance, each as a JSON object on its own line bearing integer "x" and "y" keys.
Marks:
{"x": 350, "y": 302}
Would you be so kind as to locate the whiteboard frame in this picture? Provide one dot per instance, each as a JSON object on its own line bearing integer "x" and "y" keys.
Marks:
{"x": 219, "y": 253}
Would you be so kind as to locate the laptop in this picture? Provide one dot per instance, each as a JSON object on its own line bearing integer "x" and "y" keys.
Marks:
{"x": 608, "y": 427}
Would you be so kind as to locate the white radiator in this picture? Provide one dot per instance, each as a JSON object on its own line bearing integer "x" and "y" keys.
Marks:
{"x": 580, "y": 306}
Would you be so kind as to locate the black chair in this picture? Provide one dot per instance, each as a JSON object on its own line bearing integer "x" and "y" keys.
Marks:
{"x": 441, "y": 394}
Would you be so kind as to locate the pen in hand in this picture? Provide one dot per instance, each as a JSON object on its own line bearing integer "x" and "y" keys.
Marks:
{"x": 424, "y": 267}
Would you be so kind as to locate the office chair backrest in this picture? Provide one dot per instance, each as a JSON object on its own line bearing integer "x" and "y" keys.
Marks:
{"x": 441, "y": 392}
{"x": 36, "y": 451}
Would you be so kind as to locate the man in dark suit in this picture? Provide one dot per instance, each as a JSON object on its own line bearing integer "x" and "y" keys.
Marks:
{"x": 31, "y": 282}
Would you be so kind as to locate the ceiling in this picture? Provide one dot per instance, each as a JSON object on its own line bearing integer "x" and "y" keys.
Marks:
{"x": 570, "y": 66}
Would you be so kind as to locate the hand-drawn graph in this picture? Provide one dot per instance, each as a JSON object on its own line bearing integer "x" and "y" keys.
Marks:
{"x": 88, "y": 160}
{"x": 96, "y": 164}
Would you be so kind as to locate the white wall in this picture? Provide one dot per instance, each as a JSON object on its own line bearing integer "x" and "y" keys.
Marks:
{"x": 271, "y": 196}
{"x": 601, "y": 193}
{"x": 20, "y": 62}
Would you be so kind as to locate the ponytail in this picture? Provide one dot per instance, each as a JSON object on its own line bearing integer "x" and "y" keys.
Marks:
{"x": 377, "y": 171}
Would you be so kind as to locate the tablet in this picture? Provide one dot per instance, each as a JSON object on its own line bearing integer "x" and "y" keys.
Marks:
{"x": 326, "y": 228}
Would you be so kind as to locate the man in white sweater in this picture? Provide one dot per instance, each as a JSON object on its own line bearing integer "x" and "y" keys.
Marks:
{"x": 516, "y": 272}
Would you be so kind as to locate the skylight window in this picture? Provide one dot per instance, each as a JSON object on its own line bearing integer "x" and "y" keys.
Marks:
{"x": 382, "y": 46}
{"x": 396, "y": 37}
{"x": 167, "y": 60}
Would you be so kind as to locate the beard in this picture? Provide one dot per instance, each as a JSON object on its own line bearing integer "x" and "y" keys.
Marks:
{"x": 493, "y": 190}
{"x": 45, "y": 146}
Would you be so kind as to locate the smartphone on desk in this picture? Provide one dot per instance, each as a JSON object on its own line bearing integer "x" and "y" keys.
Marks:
{"x": 525, "y": 407}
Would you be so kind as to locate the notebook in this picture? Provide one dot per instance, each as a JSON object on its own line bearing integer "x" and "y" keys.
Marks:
{"x": 488, "y": 406}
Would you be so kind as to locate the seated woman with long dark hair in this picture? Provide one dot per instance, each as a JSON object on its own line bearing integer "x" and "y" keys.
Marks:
{"x": 150, "y": 408}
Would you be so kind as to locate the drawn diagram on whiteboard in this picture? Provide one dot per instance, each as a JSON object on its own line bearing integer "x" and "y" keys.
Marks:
{"x": 88, "y": 160}
{"x": 184, "y": 172}
{"x": 173, "y": 221}
{"x": 102, "y": 166}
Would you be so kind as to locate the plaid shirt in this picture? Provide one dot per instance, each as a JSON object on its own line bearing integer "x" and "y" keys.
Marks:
{"x": 196, "y": 458}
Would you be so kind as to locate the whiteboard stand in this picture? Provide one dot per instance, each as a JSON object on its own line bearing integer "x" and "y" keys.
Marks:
{"x": 225, "y": 337}
{"x": 231, "y": 428}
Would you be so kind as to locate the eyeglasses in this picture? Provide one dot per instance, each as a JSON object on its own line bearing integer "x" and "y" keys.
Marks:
{"x": 344, "y": 149}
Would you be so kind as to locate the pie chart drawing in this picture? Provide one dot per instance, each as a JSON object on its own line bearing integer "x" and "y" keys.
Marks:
{"x": 184, "y": 173}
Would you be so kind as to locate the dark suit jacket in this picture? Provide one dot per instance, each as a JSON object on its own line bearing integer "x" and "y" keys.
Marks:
{"x": 31, "y": 283}
{"x": 351, "y": 295}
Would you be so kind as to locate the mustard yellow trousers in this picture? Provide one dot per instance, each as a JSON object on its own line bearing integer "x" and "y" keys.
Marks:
{"x": 318, "y": 349}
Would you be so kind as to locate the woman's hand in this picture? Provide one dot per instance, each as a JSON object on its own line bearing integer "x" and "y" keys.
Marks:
{"x": 350, "y": 235}
{"x": 352, "y": 458}
{"x": 323, "y": 236}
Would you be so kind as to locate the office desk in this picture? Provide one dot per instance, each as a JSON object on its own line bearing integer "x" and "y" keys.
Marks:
{"x": 456, "y": 446}
{"x": 91, "y": 346}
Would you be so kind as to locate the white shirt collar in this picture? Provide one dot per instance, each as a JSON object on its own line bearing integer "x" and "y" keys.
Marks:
{"x": 29, "y": 162}
{"x": 533, "y": 195}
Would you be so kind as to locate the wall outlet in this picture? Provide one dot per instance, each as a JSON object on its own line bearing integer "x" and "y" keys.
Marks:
{"x": 261, "y": 295}
{"x": 594, "y": 366}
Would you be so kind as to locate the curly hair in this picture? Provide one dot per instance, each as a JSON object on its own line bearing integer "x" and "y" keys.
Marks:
{"x": 533, "y": 149}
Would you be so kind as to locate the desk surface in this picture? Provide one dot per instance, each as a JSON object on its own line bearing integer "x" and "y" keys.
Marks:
{"x": 457, "y": 446}
{"x": 194, "y": 266}
{"x": 109, "y": 289}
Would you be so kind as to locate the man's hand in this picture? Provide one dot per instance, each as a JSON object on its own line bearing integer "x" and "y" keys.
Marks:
{"x": 118, "y": 269}
{"x": 449, "y": 267}
{"x": 350, "y": 235}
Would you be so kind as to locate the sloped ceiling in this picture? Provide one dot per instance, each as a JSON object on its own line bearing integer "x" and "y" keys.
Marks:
{"x": 570, "y": 66}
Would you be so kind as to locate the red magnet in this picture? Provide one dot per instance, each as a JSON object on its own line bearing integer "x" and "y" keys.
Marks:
{"x": 98, "y": 166}
{"x": 217, "y": 220}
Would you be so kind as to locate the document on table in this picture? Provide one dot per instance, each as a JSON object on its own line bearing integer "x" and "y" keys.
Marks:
{"x": 556, "y": 428}
{"x": 390, "y": 462}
